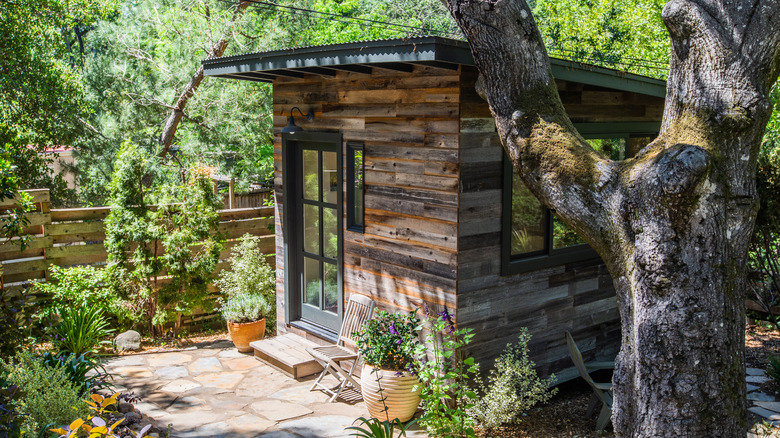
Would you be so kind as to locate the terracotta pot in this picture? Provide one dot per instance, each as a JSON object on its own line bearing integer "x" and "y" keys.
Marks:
{"x": 401, "y": 400}
{"x": 242, "y": 333}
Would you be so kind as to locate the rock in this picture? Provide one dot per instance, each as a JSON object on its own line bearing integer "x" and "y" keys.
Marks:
{"x": 129, "y": 340}
{"x": 124, "y": 407}
{"x": 132, "y": 417}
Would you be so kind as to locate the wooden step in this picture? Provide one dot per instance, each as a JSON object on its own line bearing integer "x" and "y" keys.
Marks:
{"x": 288, "y": 353}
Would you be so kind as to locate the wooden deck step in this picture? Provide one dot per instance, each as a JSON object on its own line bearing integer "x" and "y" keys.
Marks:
{"x": 288, "y": 353}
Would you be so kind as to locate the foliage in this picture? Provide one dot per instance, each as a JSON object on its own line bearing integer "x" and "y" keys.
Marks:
{"x": 40, "y": 86}
{"x": 17, "y": 325}
{"x": 85, "y": 372}
{"x": 513, "y": 387}
{"x": 14, "y": 220}
{"x": 621, "y": 34}
{"x": 389, "y": 341}
{"x": 245, "y": 307}
{"x": 446, "y": 396}
{"x": 764, "y": 277}
{"x": 104, "y": 418}
{"x": 186, "y": 222}
{"x": 49, "y": 396}
{"x": 250, "y": 273}
{"x": 10, "y": 418}
{"x": 80, "y": 330}
{"x": 376, "y": 428}
{"x": 773, "y": 368}
{"x": 183, "y": 226}
{"x": 82, "y": 286}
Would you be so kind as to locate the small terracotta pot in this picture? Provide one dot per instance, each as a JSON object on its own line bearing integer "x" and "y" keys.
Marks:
{"x": 242, "y": 333}
{"x": 401, "y": 400}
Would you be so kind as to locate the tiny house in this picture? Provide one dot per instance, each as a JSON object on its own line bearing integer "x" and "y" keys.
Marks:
{"x": 391, "y": 182}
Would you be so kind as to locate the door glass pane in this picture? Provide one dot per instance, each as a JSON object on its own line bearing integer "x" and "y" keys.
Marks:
{"x": 331, "y": 288}
{"x": 311, "y": 229}
{"x": 330, "y": 235}
{"x": 330, "y": 181}
{"x": 310, "y": 181}
{"x": 311, "y": 281}
{"x": 528, "y": 221}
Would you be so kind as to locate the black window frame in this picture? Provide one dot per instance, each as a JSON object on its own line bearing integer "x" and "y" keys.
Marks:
{"x": 352, "y": 225}
{"x": 549, "y": 256}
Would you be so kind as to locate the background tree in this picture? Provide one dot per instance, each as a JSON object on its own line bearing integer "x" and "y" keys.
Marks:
{"x": 673, "y": 223}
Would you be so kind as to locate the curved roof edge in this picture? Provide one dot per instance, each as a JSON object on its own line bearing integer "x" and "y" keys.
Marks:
{"x": 401, "y": 55}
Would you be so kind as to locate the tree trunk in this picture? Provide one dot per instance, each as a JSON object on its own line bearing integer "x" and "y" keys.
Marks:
{"x": 673, "y": 223}
{"x": 177, "y": 113}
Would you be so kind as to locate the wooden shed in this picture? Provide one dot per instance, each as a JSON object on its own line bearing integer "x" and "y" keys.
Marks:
{"x": 398, "y": 188}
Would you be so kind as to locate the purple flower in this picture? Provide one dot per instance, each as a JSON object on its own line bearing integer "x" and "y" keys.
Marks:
{"x": 393, "y": 330}
{"x": 398, "y": 342}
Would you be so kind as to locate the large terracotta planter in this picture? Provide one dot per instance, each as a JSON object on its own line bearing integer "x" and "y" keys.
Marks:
{"x": 243, "y": 333}
{"x": 400, "y": 398}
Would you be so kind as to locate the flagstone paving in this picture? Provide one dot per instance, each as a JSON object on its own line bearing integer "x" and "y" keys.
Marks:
{"x": 215, "y": 391}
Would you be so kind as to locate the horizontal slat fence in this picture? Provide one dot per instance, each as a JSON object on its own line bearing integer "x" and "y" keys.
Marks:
{"x": 75, "y": 236}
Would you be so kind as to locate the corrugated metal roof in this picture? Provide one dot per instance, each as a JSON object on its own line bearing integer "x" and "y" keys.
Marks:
{"x": 401, "y": 54}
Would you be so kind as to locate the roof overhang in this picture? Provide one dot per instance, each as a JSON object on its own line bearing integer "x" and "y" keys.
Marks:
{"x": 402, "y": 55}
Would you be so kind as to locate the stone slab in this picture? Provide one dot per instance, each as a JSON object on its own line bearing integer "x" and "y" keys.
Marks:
{"x": 168, "y": 359}
{"x": 205, "y": 365}
{"x": 279, "y": 411}
{"x": 760, "y": 396}
{"x": 179, "y": 386}
{"x": 172, "y": 373}
{"x": 764, "y": 413}
{"x": 757, "y": 379}
{"x": 243, "y": 363}
{"x": 770, "y": 405}
{"x": 220, "y": 380}
{"x": 755, "y": 372}
{"x": 318, "y": 427}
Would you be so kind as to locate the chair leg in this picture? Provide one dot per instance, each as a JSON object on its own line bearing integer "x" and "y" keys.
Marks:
{"x": 604, "y": 417}
{"x": 592, "y": 404}
{"x": 322, "y": 374}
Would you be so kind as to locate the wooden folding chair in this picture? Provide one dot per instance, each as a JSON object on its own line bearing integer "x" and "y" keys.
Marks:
{"x": 359, "y": 310}
{"x": 602, "y": 392}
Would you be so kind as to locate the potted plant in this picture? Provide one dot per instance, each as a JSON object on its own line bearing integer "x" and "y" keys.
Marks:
{"x": 249, "y": 294}
{"x": 244, "y": 315}
{"x": 389, "y": 383}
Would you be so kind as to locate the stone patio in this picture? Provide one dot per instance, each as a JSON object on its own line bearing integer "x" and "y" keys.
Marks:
{"x": 215, "y": 391}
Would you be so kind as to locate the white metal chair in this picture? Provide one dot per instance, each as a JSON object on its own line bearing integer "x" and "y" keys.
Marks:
{"x": 359, "y": 310}
{"x": 602, "y": 392}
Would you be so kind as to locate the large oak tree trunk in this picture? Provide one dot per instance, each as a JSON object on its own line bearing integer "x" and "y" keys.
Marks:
{"x": 673, "y": 223}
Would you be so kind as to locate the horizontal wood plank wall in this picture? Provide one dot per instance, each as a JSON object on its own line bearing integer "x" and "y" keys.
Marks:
{"x": 74, "y": 236}
{"x": 578, "y": 297}
{"x": 409, "y": 126}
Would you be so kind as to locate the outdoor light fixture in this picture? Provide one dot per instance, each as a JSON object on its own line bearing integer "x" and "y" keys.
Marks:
{"x": 291, "y": 126}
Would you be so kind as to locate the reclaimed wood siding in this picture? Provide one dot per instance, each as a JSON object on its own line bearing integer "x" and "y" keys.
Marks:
{"x": 409, "y": 126}
{"x": 578, "y": 297}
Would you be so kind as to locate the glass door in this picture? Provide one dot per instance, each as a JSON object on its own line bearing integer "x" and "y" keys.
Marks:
{"x": 318, "y": 248}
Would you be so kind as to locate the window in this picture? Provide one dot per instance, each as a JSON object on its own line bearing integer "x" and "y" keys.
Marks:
{"x": 355, "y": 186}
{"x": 534, "y": 237}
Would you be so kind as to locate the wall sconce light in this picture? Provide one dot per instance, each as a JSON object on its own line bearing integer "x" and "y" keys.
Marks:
{"x": 291, "y": 126}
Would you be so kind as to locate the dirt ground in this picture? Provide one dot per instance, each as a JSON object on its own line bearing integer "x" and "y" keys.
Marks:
{"x": 564, "y": 415}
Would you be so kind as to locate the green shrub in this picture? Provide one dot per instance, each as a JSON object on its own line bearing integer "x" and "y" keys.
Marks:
{"x": 773, "y": 368}
{"x": 49, "y": 396}
{"x": 244, "y": 308}
{"x": 513, "y": 387}
{"x": 83, "y": 286}
{"x": 250, "y": 274}
{"x": 85, "y": 372}
{"x": 81, "y": 330}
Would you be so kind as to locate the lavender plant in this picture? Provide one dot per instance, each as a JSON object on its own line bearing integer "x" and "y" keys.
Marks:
{"x": 446, "y": 395}
{"x": 389, "y": 341}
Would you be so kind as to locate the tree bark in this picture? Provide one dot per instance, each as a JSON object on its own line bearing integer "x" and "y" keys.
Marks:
{"x": 177, "y": 112}
{"x": 673, "y": 223}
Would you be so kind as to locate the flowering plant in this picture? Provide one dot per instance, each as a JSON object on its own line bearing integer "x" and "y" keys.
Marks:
{"x": 389, "y": 341}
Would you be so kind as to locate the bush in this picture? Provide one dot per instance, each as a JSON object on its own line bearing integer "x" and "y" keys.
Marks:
{"x": 244, "y": 308}
{"x": 103, "y": 422}
{"x": 773, "y": 368}
{"x": 83, "y": 286}
{"x": 249, "y": 273}
{"x": 10, "y": 419}
{"x": 513, "y": 388}
{"x": 81, "y": 330}
{"x": 85, "y": 372}
{"x": 17, "y": 329}
{"x": 389, "y": 341}
{"x": 49, "y": 396}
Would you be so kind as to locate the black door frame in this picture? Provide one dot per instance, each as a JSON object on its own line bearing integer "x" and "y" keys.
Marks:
{"x": 291, "y": 218}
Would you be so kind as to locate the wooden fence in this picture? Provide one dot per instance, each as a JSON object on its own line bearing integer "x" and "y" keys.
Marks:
{"x": 74, "y": 236}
